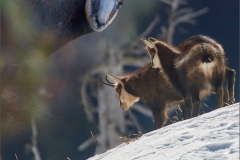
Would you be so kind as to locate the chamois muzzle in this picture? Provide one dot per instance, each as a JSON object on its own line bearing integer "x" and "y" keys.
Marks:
{"x": 123, "y": 106}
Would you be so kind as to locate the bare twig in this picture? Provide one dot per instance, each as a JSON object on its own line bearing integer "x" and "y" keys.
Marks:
{"x": 87, "y": 143}
{"x": 142, "y": 110}
{"x": 174, "y": 4}
{"x": 130, "y": 138}
{"x": 166, "y": 2}
{"x": 226, "y": 103}
{"x": 15, "y": 156}
{"x": 207, "y": 106}
{"x": 177, "y": 16}
{"x": 150, "y": 27}
{"x": 134, "y": 119}
{"x": 183, "y": 18}
{"x": 34, "y": 147}
{"x": 133, "y": 62}
{"x": 188, "y": 18}
{"x": 87, "y": 106}
{"x": 145, "y": 33}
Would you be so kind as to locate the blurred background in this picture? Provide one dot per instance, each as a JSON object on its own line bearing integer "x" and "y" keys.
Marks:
{"x": 53, "y": 106}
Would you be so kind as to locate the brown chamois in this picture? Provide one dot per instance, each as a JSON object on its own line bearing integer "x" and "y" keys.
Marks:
{"x": 147, "y": 84}
{"x": 196, "y": 68}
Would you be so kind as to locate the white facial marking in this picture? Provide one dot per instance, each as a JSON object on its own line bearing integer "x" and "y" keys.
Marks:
{"x": 127, "y": 99}
{"x": 156, "y": 62}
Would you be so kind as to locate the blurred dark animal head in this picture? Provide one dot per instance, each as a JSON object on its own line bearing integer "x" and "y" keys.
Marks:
{"x": 100, "y": 13}
{"x": 72, "y": 18}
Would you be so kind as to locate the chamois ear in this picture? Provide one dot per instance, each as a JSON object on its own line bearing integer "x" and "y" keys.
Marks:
{"x": 115, "y": 79}
{"x": 152, "y": 50}
{"x": 152, "y": 39}
{"x": 148, "y": 43}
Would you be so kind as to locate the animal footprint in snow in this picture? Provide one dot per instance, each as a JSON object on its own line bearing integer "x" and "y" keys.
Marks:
{"x": 185, "y": 137}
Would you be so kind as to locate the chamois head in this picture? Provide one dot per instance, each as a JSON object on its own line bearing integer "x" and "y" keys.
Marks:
{"x": 126, "y": 99}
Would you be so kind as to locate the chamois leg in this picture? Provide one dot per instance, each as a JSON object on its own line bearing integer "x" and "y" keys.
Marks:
{"x": 230, "y": 76}
{"x": 220, "y": 96}
{"x": 182, "y": 108}
{"x": 196, "y": 109}
{"x": 160, "y": 118}
{"x": 225, "y": 93}
{"x": 188, "y": 107}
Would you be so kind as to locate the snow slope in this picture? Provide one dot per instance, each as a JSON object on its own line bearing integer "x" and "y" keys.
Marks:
{"x": 213, "y": 135}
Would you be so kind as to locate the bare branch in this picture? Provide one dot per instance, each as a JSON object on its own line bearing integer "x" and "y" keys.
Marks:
{"x": 174, "y": 3}
{"x": 133, "y": 62}
{"x": 99, "y": 69}
{"x": 142, "y": 110}
{"x": 135, "y": 121}
{"x": 87, "y": 143}
{"x": 186, "y": 18}
{"x": 87, "y": 106}
{"x": 181, "y": 12}
{"x": 34, "y": 147}
{"x": 166, "y": 2}
{"x": 151, "y": 26}
{"x": 146, "y": 32}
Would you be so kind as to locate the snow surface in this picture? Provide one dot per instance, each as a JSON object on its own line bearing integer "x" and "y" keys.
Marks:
{"x": 214, "y": 135}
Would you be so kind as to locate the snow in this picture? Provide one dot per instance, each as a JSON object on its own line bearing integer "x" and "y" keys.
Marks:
{"x": 214, "y": 135}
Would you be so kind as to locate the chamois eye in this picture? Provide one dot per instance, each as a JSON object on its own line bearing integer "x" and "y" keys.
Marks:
{"x": 120, "y": 3}
{"x": 118, "y": 89}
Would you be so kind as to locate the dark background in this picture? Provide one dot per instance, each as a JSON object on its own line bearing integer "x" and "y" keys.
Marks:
{"x": 66, "y": 125}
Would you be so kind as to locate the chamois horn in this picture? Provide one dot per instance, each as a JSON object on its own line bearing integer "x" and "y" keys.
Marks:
{"x": 148, "y": 43}
{"x": 115, "y": 79}
{"x": 108, "y": 82}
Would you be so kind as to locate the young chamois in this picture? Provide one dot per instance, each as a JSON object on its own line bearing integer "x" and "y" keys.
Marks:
{"x": 149, "y": 85}
{"x": 196, "y": 69}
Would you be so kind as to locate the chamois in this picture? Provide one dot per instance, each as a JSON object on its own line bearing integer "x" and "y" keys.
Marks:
{"x": 149, "y": 85}
{"x": 196, "y": 68}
